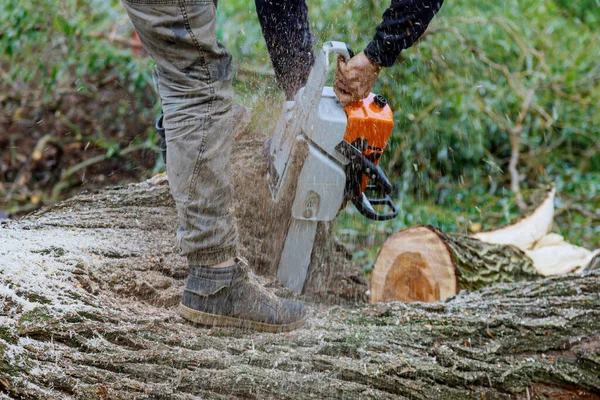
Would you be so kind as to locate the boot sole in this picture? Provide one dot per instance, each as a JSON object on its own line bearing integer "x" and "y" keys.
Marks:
{"x": 215, "y": 320}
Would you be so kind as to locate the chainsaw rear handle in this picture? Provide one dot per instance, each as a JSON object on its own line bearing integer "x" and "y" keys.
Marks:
{"x": 365, "y": 205}
{"x": 374, "y": 172}
{"x": 377, "y": 177}
{"x": 379, "y": 182}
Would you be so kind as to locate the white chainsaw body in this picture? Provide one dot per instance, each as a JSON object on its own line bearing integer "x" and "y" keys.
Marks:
{"x": 315, "y": 119}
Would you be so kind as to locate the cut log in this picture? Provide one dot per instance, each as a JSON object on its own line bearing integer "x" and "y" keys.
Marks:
{"x": 414, "y": 265}
{"x": 425, "y": 264}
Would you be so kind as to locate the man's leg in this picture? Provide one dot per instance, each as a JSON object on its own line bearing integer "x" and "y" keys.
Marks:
{"x": 286, "y": 31}
{"x": 193, "y": 75}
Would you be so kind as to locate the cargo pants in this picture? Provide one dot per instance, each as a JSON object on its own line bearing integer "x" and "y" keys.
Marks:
{"x": 193, "y": 76}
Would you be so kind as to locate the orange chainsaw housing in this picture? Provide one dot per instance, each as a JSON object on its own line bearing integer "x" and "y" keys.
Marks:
{"x": 372, "y": 123}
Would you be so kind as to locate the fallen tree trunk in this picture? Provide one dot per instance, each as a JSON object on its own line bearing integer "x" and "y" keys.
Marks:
{"x": 87, "y": 289}
{"x": 426, "y": 264}
{"x": 505, "y": 342}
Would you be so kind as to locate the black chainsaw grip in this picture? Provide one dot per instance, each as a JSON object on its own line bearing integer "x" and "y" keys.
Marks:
{"x": 361, "y": 163}
{"x": 358, "y": 167}
{"x": 379, "y": 179}
{"x": 365, "y": 206}
{"x": 350, "y": 51}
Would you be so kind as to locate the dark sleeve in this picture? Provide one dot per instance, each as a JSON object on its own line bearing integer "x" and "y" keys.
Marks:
{"x": 403, "y": 23}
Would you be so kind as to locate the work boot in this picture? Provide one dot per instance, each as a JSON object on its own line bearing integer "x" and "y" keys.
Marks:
{"x": 229, "y": 297}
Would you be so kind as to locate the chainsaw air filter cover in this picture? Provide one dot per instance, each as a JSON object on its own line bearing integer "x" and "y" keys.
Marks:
{"x": 369, "y": 127}
{"x": 370, "y": 124}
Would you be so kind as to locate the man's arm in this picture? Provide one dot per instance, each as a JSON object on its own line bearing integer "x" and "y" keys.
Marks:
{"x": 286, "y": 30}
{"x": 403, "y": 23}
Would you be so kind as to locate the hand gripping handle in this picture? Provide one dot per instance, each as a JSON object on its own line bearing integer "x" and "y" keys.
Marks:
{"x": 339, "y": 48}
{"x": 318, "y": 74}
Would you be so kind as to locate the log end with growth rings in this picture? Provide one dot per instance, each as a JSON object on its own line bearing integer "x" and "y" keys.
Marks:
{"x": 413, "y": 265}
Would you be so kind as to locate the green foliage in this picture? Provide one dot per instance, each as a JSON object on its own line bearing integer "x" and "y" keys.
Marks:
{"x": 62, "y": 75}
{"x": 50, "y": 46}
{"x": 582, "y": 11}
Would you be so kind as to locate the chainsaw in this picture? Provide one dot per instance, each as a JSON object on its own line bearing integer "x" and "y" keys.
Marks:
{"x": 322, "y": 156}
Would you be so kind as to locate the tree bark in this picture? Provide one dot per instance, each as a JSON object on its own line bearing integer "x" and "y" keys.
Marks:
{"x": 87, "y": 290}
{"x": 425, "y": 264}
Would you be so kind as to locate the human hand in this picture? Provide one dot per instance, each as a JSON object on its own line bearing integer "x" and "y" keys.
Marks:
{"x": 355, "y": 79}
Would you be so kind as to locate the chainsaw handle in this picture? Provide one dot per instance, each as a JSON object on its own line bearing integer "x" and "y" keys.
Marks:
{"x": 339, "y": 48}
{"x": 365, "y": 204}
{"x": 378, "y": 178}
{"x": 374, "y": 172}
{"x": 318, "y": 75}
